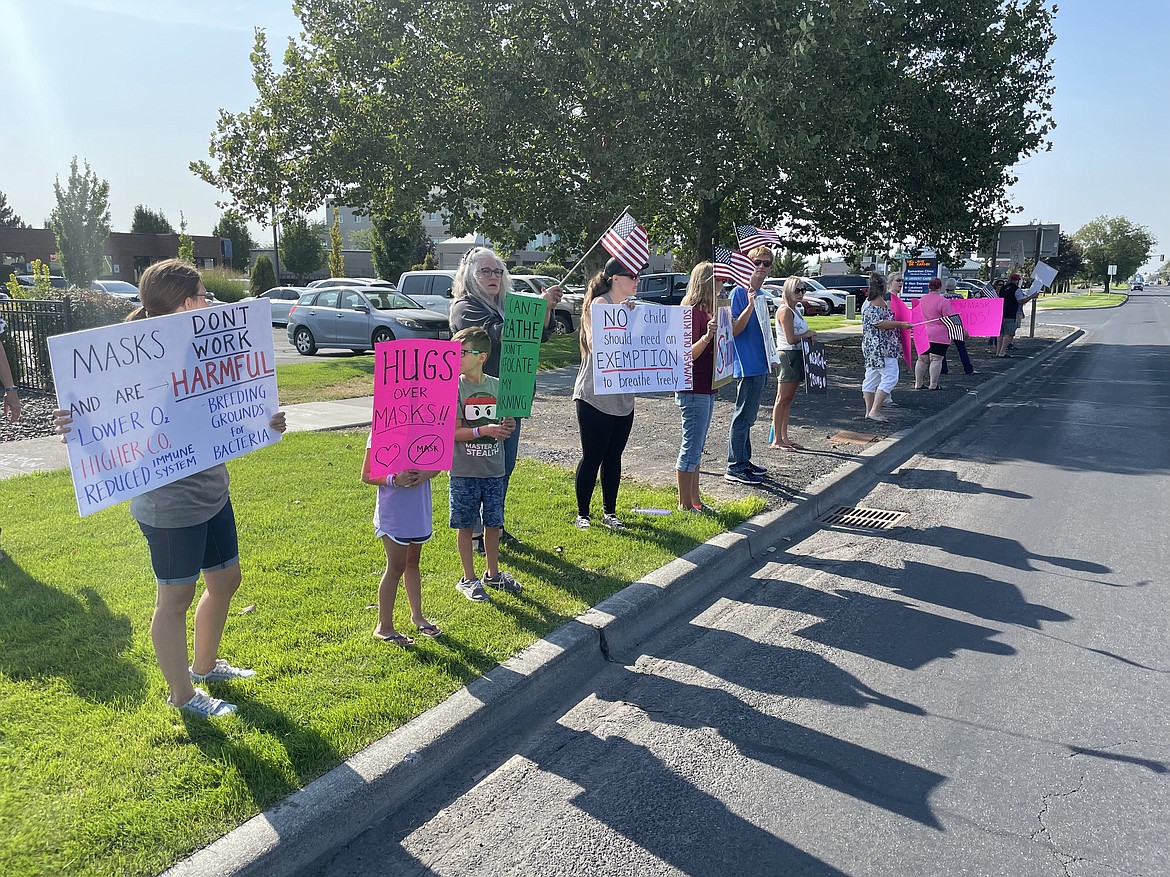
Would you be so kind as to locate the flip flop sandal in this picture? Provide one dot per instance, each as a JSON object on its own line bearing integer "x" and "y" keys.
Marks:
{"x": 429, "y": 630}
{"x": 399, "y": 639}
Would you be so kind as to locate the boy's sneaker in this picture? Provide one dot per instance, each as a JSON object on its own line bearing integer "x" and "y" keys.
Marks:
{"x": 205, "y": 706}
{"x": 756, "y": 470}
{"x": 221, "y": 672}
{"x": 582, "y": 523}
{"x": 743, "y": 478}
{"x": 613, "y": 523}
{"x": 503, "y": 581}
{"x": 472, "y": 590}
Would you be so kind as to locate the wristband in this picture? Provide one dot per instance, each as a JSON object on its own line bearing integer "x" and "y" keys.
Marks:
{"x": 392, "y": 480}
{"x": 475, "y": 432}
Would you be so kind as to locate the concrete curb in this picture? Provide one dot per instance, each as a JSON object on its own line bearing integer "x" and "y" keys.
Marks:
{"x": 334, "y": 809}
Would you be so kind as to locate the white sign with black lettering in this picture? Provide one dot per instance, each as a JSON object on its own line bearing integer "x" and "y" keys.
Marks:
{"x": 644, "y": 350}
{"x": 159, "y": 399}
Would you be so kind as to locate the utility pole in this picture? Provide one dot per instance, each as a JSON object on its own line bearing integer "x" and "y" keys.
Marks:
{"x": 275, "y": 248}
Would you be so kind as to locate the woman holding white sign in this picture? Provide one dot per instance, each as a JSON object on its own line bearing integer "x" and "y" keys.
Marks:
{"x": 480, "y": 288}
{"x": 791, "y": 332}
{"x": 190, "y": 528}
{"x": 604, "y": 421}
{"x": 697, "y": 403}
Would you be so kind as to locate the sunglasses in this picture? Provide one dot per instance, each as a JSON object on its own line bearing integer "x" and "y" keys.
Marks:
{"x": 762, "y": 263}
{"x": 469, "y": 352}
{"x": 492, "y": 272}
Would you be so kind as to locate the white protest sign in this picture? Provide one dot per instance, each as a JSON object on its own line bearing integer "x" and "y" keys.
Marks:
{"x": 766, "y": 327}
{"x": 1043, "y": 272}
{"x": 1036, "y": 286}
{"x": 724, "y": 345}
{"x": 644, "y": 350}
{"x": 159, "y": 399}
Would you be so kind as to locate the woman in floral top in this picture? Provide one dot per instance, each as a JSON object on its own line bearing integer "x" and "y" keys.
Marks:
{"x": 881, "y": 346}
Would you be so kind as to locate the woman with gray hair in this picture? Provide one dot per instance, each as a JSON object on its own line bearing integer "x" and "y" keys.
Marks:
{"x": 881, "y": 346}
{"x": 481, "y": 286}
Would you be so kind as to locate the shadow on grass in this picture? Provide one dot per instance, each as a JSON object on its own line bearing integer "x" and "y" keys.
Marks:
{"x": 309, "y": 753}
{"x": 47, "y": 633}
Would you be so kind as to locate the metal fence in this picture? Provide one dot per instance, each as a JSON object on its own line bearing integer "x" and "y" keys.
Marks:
{"x": 30, "y": 322}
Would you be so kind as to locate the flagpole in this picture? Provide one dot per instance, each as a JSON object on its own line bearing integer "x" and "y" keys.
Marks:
{"x": 594, "y": 247}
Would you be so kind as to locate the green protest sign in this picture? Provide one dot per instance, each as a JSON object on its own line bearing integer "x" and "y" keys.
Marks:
{"x": 519, "y": 352}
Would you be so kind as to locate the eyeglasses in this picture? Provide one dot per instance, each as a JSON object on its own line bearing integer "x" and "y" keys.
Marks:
{"x": 762, "y": 263}
{"x": 491, "y": 272}
{"x": 468, "y": 352}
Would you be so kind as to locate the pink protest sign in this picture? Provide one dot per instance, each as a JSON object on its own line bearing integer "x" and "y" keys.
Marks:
{"x": 416, "y": 394}
{"x": 901, "y": 312}
{"x": 981, "y": 316}
{"x": 921, "y": 338}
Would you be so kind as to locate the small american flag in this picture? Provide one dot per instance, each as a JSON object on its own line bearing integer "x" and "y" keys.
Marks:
{"x": 735, "y": 267}
{"x": 954, "y": 326}
{"x": 628, "y": 242}
{"x": 751, "y": 237}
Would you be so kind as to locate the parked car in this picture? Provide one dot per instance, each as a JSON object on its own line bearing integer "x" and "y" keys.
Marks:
{"x": 973, "y": 288}
{"x": 812, "y": 303}
{"x": 55, "y": 281}
{"x": 856, "y": 284}
{"x": 359, "y": 318}
{"x": 432, "y": 289}
{"x": 337, "y": 282}
{"x": 568, "y": 311}
{"x": 119, "y": 288}
{"x": 283, "y": 298}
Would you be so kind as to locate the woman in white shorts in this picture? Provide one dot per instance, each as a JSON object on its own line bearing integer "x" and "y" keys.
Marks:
{"x": 882, "y": 348}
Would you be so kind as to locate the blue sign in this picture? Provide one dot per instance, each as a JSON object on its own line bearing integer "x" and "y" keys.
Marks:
{"x": 916, "y": 276}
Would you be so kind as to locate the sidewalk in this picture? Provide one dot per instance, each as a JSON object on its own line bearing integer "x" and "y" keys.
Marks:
{"x": 330, "y": 812}
{"x": 48, "y": 453}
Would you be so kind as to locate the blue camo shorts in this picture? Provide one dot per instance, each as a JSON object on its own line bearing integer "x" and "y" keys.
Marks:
{"x": 470, "y": 495}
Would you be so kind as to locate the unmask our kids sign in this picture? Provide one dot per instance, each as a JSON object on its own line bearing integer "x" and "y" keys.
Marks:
{"x": 159, "y": 399}
{"x": 416, "y": 395}
{"x": 644, "y": 350}
{"x": 724, "y": 345}
{"x": 519, "y": 353}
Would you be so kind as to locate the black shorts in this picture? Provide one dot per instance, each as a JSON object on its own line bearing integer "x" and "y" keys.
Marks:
{"x": 938, "y": 349}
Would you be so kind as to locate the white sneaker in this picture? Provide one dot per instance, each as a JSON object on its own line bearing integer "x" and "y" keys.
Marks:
{"x": 206, "y": 706}
{"x": 221, "y": 671}
{"x": 582, "y": 523}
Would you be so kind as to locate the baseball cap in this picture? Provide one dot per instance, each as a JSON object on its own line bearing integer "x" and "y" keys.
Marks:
{"x": 614, "y": 267}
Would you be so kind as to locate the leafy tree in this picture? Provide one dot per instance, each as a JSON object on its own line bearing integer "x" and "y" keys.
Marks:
{"x": 510, "y": 120}
{"x": 360, "y": 239}
{"x": 1114, "y": 240}
{"x": 263, "y": 275}
{"x": 232, "y": 226}
{"x": 8, "y": 217}
{"x": 301, "y": 249}
{"x": 398, "y": 245}
{"x": 81, "y": 224}
{"x": 186, "y": 242}
{"x": 336, "y": 260}
{"x": 147, "y": 221}
{"x": 789, "y": 264}
{"x": 41, "y": 283}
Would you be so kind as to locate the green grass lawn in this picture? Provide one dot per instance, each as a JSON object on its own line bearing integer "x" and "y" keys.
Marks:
{"x": 99, "y": 777}
{"x": 1081, "y": 300}
{"x": 319, "y": 380}
{"x": 821, "y": 324}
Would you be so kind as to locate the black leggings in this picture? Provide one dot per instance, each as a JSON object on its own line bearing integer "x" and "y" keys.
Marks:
{"x": 603, "y": 438}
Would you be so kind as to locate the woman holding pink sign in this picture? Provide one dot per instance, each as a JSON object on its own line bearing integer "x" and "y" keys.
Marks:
{"x": 190, "y": 528}
{"x": 932, "y": 307}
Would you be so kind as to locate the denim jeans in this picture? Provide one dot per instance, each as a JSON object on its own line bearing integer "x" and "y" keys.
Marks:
{"x": 748, "y": 391}
{"x": 696, "y": 411}
{"x": 961, "y": 346}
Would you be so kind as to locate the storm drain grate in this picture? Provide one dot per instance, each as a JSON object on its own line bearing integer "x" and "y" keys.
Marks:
{"x": 866, "y": 519}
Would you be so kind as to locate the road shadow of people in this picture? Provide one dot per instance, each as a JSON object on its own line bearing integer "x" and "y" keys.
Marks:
{"x": 996, "y": 549}
{"x": 947, "y": 480}
{"x": 47, "y": 633}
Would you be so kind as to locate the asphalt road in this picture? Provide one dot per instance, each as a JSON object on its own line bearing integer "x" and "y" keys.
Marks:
{"x": 982, "y": 690}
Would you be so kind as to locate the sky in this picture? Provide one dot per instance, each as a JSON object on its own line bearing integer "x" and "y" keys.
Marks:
{"x": 135, "y": 87}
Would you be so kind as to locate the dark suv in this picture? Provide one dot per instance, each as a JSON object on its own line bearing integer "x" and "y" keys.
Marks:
{"x": 662, "y": 289}
{"x": 858, "y": 284}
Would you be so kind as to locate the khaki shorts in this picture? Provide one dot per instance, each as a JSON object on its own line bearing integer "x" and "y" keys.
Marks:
{"x": 791, "y": 366}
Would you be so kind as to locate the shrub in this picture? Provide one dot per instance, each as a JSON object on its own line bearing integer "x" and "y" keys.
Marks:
{"x": 550, "y": 269}
{"x": 225, "y": 284}
{"x": 91, "y": 308}
{"x": 263, "y": 275}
